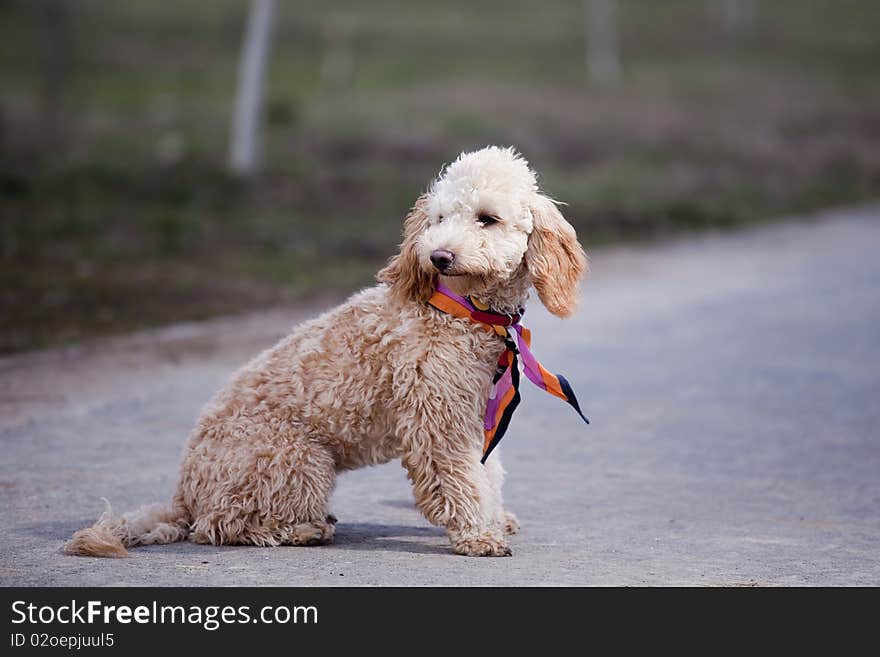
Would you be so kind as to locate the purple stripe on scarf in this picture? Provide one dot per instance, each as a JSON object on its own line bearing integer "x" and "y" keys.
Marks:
{"x": 501, "y": 387}
{"x": 445, "y": 291}
{"x": 530, "y": 363}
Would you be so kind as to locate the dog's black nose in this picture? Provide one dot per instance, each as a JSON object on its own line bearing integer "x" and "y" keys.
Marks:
{"x": 442, "y": 259}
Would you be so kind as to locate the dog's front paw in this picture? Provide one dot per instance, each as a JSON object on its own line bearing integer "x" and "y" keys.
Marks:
{"x": 481, "y": 545}
{"x": 509, "y": 523}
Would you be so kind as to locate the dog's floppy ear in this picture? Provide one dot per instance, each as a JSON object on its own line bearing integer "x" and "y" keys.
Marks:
{"x": 403, "y": 274}
{"x": 555, "y": 258}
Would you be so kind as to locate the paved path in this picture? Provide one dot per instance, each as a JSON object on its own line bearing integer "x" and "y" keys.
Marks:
{"x": 733, "y": 382}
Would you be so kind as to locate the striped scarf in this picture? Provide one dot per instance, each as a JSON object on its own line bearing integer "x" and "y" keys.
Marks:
{"x": 504, "y": 397}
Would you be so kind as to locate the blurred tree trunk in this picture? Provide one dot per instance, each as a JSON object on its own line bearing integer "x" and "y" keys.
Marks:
{"x": 337, "y": 67}
{"x": 735, "y": 16}
{"x": 245, "y": 148}
{"x": 603, "y": 57}
{"x": 57, "y": 55}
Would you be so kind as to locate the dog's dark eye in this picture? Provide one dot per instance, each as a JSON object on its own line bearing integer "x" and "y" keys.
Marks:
{"x": 487, "y": 219}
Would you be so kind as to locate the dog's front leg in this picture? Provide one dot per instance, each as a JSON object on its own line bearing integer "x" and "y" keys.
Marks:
{"x": 495, "y": 472}
{"x": 453, "y": 490}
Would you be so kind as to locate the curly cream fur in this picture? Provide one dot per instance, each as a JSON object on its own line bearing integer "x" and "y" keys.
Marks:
{"x": 382, "y": 376}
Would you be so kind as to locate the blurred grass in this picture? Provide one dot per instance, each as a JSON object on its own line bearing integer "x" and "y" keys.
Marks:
{"x": 116, "y": 212}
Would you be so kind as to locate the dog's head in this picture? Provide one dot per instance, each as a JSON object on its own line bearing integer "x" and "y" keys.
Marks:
{"x": 482, "y": 224}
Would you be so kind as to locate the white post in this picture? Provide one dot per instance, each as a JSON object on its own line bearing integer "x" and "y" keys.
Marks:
{"x": 244, "y": 149}
{"x": 603, "y": 59}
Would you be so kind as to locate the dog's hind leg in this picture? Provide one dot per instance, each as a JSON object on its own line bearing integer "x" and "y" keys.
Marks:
{"x": 304, "y": 506}
{"x": 280, "y": 498}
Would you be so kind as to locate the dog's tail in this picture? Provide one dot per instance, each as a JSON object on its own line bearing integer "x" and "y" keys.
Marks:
{"x": 149, "y": 525}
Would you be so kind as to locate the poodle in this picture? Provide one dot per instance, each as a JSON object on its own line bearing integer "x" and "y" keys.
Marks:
{"x": 383, "y": 376}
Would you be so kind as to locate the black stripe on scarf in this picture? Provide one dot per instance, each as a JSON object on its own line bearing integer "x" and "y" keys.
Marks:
{"x": 566, "y": 388}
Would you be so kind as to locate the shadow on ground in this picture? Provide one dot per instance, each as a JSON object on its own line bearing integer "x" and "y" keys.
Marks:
{"x": 366, "y": 537}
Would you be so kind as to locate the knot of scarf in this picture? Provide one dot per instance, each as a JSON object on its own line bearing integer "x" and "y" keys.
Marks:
{"x": 517, "y": 357}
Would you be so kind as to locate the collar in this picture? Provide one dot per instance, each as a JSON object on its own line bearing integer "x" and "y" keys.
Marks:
{"x": 451, "y": 303}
